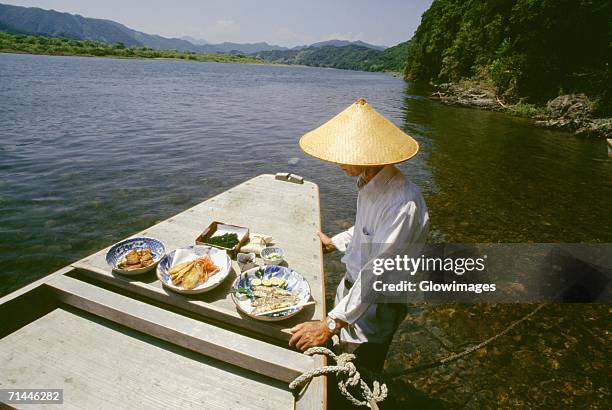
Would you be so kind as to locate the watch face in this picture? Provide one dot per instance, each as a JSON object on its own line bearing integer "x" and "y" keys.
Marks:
{"x": 331, "y": 324}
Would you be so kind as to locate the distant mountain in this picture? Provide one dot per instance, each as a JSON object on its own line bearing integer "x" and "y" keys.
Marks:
{"x": 259, "y": 47}
{"x": 349, "y": 57}
{"x": 332, "y": 53}
{"x": 32, "y": 20}
{"x": 342, "y": 43}
{"x": 248, "y": 48}
{"x": 227, "y": 47}
{"x": 196, "y": 41}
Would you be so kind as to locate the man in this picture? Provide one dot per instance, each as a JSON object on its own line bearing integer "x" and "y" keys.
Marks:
{"x": 391, "y": 219}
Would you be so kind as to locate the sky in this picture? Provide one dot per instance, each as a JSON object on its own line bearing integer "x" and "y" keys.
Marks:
{"x": 286, "y": 23}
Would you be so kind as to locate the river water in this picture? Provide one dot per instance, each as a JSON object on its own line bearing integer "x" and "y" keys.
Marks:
{"x": 93, "y": 150}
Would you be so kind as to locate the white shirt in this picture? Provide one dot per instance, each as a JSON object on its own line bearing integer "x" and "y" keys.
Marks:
{"x": 391, "y": 219}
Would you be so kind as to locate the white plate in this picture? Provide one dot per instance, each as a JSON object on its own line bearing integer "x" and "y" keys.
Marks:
{"x": 295, "y": 283}
{"x": 218, "y": 256}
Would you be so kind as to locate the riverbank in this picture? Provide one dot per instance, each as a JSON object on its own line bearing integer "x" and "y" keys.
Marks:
{"x": 221, "y": 61}
{"x": 570, "y": 112}
{"x": 55, "y": 46}
{"x": 40, "y": 45}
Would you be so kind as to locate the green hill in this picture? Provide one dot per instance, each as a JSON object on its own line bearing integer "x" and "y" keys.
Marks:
{"x": 391, "y": 59}
{"x": 21, "y": 43}
{"x": 526, "y": 49}
{"x": 348, "y": 57}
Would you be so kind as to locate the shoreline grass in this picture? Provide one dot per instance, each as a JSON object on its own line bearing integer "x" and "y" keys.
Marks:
{"x": 54, "y": 46}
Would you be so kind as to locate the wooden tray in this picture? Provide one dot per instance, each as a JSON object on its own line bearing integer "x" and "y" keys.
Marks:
{"x": 219, "y": 228}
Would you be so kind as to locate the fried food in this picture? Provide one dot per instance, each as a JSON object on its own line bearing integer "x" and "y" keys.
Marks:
{"x": 177, "y": 276}
{"x": 192, "y": 277}
{"x": 132, "y": 258}
{"x": 179, "y": 270}
{"x": 267, "y": 298}
{"x": 193, "y": 273}
{"x": 136, "y": 259}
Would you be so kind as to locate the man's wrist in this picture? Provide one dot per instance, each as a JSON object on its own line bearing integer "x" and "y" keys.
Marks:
{"x": 334, "y": 325}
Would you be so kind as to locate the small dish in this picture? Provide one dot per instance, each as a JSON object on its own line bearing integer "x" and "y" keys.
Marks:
{"x": 118, "y": 251}
{"x": 246, "y": 261}
{"x": 272, "y": 255}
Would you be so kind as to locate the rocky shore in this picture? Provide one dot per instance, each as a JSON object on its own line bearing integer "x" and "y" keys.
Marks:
{"x": 570, "y": 112}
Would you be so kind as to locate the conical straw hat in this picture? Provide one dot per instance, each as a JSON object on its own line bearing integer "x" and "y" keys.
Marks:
{"x": 359, "y": 135}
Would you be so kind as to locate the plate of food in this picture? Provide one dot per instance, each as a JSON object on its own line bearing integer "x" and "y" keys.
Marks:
{"x": 135, "y": 255}
{"x": 194, "y": 269}
{"x": 271, "y": 293}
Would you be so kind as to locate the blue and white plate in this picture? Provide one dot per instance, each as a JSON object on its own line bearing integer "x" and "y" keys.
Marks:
{"x": 218, "y": 256}
{"x": 119, "y": 250}
{"x": 295, "y": 283}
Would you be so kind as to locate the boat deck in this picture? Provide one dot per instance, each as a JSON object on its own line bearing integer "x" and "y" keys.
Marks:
{"x": 123, "y": 342}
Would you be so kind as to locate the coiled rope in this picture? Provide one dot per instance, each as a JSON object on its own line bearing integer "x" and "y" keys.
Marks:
{"x": 347, "y": 375}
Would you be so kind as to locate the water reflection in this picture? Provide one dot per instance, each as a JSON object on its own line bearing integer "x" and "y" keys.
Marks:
{"x": 498, "y": 179}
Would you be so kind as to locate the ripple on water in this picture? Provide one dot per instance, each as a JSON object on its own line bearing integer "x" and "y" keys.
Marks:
{"x": 93, "y": 150}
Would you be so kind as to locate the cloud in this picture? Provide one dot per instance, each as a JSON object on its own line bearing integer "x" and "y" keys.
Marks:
{"x": 222, "y": 30}
{"x": 285, "y": 35}
{"x": 349, "y": 36}
{"x": 226, "y": 24}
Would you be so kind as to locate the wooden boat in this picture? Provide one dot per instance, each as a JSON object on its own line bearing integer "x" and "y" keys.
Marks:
{"x": 113, "y": 341}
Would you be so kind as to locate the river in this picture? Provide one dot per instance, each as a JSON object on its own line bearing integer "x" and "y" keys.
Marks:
{"x": 93, "y": 150}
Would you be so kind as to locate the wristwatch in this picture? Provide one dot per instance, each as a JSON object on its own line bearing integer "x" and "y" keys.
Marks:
{"x": 331, "y": 325}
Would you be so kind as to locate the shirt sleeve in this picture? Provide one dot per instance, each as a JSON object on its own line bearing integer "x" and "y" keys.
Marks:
{"x": 343, "y": 239}
{"x": 399, "y": 229}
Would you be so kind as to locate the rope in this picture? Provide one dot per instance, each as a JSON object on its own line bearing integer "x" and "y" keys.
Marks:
{"x": 457, "y": 356}
{"x": 347, "y": 376}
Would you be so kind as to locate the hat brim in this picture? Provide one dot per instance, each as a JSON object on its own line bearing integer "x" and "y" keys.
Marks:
{"x": 360, "y": 163}
{"x": 359, "y": 136}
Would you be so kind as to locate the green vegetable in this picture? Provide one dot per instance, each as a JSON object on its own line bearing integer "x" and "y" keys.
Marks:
{"x": 228, "y": 240}
{"x": 245, "y": 291}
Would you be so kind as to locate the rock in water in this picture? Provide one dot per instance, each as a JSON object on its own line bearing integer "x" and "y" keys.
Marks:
{"x": 573, "y": 112}
{"x": 293, "y": 160}
{"x": 569, "y": 106}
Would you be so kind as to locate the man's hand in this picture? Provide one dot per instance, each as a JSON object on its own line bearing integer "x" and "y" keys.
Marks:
{"x": 328, "y": 245}
{"x": 309, "y": 334}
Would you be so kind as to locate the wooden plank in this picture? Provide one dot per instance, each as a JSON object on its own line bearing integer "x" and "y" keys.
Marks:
{"x": 27, "y": 303}
{"x": 239, "y": 350}
{"x": 103, "y": 365}
{"x": 288, "y": 212}
{"x": 313, "y": 396}
{"x": 190, "y": 304}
